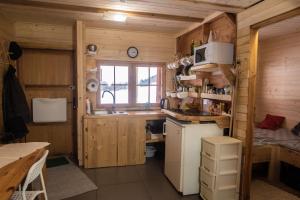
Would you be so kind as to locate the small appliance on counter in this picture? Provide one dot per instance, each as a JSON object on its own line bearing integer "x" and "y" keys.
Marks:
{"x": 164, "y": 103}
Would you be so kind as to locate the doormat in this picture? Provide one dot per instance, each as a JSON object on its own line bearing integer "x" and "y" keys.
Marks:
{"x": 56, "y": 161}
{"x": 67, "y": 181}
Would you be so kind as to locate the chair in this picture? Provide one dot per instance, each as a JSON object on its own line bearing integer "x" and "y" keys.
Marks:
{"x": 34, "y": 172}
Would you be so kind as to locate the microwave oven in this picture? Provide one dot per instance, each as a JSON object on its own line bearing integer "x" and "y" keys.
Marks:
{"x": 213, "y": 52}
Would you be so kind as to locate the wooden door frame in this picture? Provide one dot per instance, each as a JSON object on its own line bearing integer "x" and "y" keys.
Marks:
{"x": 247, "y": 173}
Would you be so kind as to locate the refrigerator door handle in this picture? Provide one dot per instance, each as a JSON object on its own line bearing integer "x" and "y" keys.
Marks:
{"x": 164, "y": 128}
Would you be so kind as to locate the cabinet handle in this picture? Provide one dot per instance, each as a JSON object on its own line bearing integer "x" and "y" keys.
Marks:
{"x": 204, "y": 183}
{"x": 206, "y": 169}
{"x": 208, "y": 154}
{"x": 164, "y": 128}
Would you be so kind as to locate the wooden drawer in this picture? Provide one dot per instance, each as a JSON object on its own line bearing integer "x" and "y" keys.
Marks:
{"x": 220, "y": 166}
{"x": 261, "y": 154}
{"x": 228, "y": 194}
{"x": 290, "y": 156}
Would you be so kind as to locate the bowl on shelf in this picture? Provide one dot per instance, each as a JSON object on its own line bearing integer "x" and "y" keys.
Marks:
{"x": 182, "y": 95}
{"x": 173, "y": 94}
{"x": 168, "y": 93}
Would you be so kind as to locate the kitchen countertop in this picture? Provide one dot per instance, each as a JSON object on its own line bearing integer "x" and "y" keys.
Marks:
{"x": 142, "y": 113}
{"x": 221, "y": 120}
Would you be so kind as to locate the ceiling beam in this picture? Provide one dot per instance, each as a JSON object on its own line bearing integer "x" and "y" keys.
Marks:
{"x": 76, "y": 8}
{"x": 217, "y": 6}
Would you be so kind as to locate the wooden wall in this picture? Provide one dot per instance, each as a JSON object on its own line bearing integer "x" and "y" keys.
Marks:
{"x": 6, "y": 35}
{"x": 113, "y": 44}
{"x": 44, "y": 36}
{"x": 278, "y": 73}
{"x": 246, "y": 56}
{"x": 49, "y": 74}
{"x": 222, "y": 26}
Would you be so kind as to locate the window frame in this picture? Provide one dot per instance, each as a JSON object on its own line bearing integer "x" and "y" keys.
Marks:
{"x": 132, "y": 83}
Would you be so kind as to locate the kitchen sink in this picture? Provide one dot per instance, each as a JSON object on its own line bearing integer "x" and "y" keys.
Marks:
{"x": 108, "y": 112}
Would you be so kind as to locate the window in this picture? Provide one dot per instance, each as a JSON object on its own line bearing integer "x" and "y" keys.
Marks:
{"x": 133, "y": 84}
{"x": 114, "y": 79}
{"x": 147, "y": 85}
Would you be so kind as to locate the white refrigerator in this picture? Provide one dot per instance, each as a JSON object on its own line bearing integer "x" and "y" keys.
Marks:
{"x": 182, "y": 153}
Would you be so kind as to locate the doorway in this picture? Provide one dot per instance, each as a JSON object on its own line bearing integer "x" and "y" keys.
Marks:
{"x": 276, "y": 99}
{"x": 50, "y": 74}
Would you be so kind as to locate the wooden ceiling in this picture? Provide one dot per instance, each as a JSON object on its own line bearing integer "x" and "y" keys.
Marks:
{"x": 169, "y": 16}
{"x": 288, "y": 26}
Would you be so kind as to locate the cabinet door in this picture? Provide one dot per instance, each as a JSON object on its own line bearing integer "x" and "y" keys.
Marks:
{"x": 101, "y": 143}
{"x": 131, "y": 141}
{"x": 173, "y": 153}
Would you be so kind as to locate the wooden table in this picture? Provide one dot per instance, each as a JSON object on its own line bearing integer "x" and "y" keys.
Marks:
{"x": 12, "y": 174}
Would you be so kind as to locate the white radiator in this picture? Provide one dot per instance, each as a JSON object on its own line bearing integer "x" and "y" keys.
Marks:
{"x": 49, "y": 110}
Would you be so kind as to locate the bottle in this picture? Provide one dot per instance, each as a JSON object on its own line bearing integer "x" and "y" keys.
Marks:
{"x": 192, "y": 47}
{"x": 88, "y": 106}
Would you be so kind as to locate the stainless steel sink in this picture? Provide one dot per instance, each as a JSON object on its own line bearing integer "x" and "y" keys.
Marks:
{"x": 108, "y": 112}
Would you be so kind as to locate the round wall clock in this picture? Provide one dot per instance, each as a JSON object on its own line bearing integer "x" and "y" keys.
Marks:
{"x": 132, "y": 52}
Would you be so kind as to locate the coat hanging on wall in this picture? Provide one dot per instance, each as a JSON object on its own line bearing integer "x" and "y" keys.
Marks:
{"x": 15, "y": 51}
{"x": 15, "y": 108}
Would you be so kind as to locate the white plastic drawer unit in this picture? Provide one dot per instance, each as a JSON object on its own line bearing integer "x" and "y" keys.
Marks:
{"x": 221, "y": 166}
{"x": 49, "y": 110}
{"x": 221, "y": 147}
{"x": 226, "y": 194}
{"x": 221, "y": 182}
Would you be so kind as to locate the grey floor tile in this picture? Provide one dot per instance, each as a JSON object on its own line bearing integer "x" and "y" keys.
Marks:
{"x": 86, "y": 196}
{"x": 191, "y": 197}
{"x": 91, "y": 173}
{"x": 150, "y": 171}
{"x": 161, "y": 189}
{"x": 116, "y": 175}
{"x": 125, "y": 191}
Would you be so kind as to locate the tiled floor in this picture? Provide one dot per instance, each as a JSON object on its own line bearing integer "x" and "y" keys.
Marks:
{"x": 141, "y": 182}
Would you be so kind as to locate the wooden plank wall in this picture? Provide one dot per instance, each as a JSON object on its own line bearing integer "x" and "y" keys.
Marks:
{"x": 6, "y": 34}
{"x": 112, "y": 45}
{"x": 278, "y": 90}
{"x": 246, "y": 39}
{"x": 49, "y": 74}
{"x": 44, "y": 36}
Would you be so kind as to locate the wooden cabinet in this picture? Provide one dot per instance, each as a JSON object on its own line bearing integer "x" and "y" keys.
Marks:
{"x": 114, "y": 141}
{"x": 100, "y": 142}
{"x": 131, "y": 141}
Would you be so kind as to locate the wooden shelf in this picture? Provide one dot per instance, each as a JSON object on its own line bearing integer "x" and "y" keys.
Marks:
{"x": 194, "y": 94}
{"x": 187, "y": 78}
{"x": 155, "y": 140}
{"x": 226, "y": 69}
{"x": 216, "y": 96}
{"x": 206, "y": 68}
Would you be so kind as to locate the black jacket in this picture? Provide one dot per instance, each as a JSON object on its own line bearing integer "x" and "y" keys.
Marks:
{"x": 15, "y": 108}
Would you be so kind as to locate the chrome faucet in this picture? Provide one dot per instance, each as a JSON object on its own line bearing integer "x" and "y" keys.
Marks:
{"x": 114, "y": 99}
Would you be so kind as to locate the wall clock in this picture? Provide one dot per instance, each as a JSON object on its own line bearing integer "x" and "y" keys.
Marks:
{"x": 132, "y": 52}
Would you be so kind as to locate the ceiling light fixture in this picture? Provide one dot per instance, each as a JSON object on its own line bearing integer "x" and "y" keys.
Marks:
{"x": 113, "y": 16}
